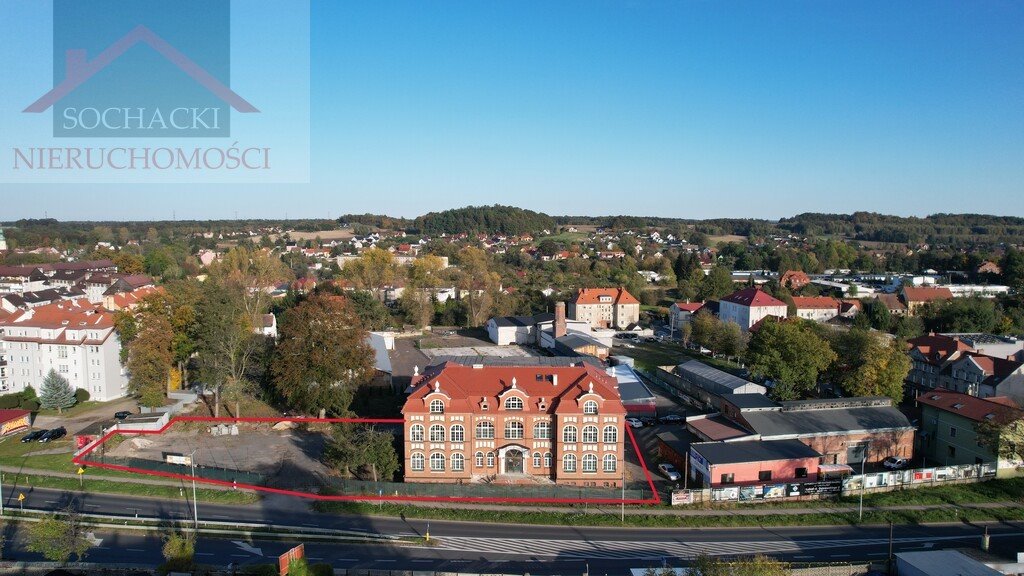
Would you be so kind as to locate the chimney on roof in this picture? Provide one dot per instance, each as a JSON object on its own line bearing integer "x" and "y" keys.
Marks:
{"x": 554, "y": 379}
{"x": 559, "y": 326}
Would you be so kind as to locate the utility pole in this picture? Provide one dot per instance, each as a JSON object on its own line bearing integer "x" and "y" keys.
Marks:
{"x": 889, "y": 566}
{"x": 195, "y": 503}
{"x": 860, "y": 511}
{"x": 623, "y": 514}
{"x": 1, "y": 492}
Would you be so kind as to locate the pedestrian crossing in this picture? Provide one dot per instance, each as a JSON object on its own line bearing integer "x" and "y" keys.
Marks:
{"x": 628, "y": 550}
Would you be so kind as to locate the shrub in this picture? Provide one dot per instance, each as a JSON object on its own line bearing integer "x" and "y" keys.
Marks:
{"x": 259, "y": 570}
{"x": 81, "y": 395}
{"x": 321, "y": 569}
{"x": 10, "y": 401}
{"x": 28, "y": 393}
{"x": 32, "y": 405}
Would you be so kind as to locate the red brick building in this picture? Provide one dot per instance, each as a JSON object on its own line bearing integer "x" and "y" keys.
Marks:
{"x": 514, "y": 424}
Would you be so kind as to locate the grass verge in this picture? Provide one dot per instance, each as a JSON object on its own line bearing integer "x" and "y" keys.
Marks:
{"x": 25, "y": 482}
{"x": 671, "y": 521}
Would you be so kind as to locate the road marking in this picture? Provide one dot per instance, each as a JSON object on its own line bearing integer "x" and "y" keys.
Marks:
{"x": 134, "y": 549}
{"x": 240, "y": 555}
{"x": 54, "y": 502}
{"x": 840, "y": 556}
{"x": 345, "y": 560}
{"x": 878, "y": 553}
{"x": 204, "y": 554}
{"x": 385, "y": 560}
{"x": 421, "y": 560}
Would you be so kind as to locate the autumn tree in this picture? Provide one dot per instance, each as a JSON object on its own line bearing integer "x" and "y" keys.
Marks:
{"x": 760, "y": 565}
{"x": 252, "y": 274}
{"x": 1003, "y": 434}
{"x": 869, "y": 364}
{"x": 149, "y": 358}
{"x": 373, "y": 271}
{"x": 479, "y": 283}
{"x": 228, "y": 344}
{"x": 417, "y": 299}
{"x": 323, "y": 355}
{"x": 790, "y": 354}
{"x": 363, "y": 452}
{"x": 58, "y": 537}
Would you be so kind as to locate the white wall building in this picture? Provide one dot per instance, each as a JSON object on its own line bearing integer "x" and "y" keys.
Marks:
{"x": 749, "y": 306}
{"x": 74, "y": 338}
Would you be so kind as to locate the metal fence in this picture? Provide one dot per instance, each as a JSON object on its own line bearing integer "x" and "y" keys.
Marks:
{"x": 212, "y": 473}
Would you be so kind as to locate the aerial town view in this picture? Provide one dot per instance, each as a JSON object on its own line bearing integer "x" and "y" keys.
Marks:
{"x": 401, "y": 288}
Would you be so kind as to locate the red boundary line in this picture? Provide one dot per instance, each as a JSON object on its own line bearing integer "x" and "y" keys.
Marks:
{"x": 81, "y": 461}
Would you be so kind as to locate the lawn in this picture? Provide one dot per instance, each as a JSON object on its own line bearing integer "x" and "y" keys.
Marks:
{"x": 650, "y": 355}
{"x": 77, "y": 409}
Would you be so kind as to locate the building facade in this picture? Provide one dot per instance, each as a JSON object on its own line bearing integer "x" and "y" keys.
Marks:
{"x": 605, "y": 307}
{"x": 74, "y": 338}
{"x": 949, "y": 422}
{"x": 749, "y": 306}
{"x": 535, "y": 424}
{"x": 816, "y": 308}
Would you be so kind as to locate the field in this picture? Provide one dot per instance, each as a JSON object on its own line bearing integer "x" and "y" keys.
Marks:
{"x": 714, "y": 240}
{"x": 325, "y": 235}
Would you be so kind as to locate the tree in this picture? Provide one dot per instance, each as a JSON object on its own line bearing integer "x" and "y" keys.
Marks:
{"x": 1012, "y": 267}
{"x": 705, "y": 329}
{"x": 729, "y": 339}
{"x": 479, "y": 283}
{"x": 791, "y": 355}
{"x": 1003, "y": 434}
{"x": 58, "y": 537}
{"x": 323, "y": 355}
{"x": 417, "y": 299}
{"x": 251, "y": 273}
{"x": 717, "y": 284}
{"x": 56, "y": 392}
{"x": 150, "y": 358}
{"x": 228, "y": 344}
{"x": 760, "y": 565}
{"x": 364, "y": 452}
{"x": 877, "y": 365}
{"x": 179, "y": 551}
{"x": 373, "y": 271}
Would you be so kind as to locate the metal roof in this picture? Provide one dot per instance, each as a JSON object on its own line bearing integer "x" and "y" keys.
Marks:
{"x": 750, "y": 400}
{"x": 794, "y": 423}
{"x": 720, "y": 378}
{"x": 753, "y": 451}
{"x": 941, "y": 563}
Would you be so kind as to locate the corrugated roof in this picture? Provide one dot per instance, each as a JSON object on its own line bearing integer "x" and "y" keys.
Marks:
{"x": 753, "y": 451}
{"x": 794, "y": 423}
{"x": 724, "y": 379}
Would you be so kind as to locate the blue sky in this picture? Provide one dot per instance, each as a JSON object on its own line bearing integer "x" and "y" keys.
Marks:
{"x": 686, "y": 109}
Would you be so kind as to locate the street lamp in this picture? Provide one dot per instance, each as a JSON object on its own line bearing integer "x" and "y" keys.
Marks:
{"x": 860, "y": 509}
{"x": 195, "y": 503}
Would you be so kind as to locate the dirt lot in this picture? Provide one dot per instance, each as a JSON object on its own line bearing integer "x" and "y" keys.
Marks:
{"x": 288, "y": 459}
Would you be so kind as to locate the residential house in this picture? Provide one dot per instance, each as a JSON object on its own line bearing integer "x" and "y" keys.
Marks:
{"x": 519, "y": 424}
{"x": 916, "y": 296}
{"x": 817, "y": 308}
{"x": 984, "y": 376}
{"x": 748, "y": 306}
{"x": 949, "y": 424}
{"x": 989, "y": 267}
{"x": 929, "y": 356}
{"x": 893, "y": 304}
{"x": 605, "y": 307}
{"x": 991, "y": 344}
{"x": 794, "y": 279}
{"x": 73, "y": 337}
{"x": 680, "y": 313}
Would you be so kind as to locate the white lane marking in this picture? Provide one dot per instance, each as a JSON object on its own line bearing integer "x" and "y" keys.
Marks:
{"x": 803, "y": 557}
{"x": 134, "y": 549}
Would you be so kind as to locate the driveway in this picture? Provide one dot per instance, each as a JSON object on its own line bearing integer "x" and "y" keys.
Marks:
{"x": 99, "y": 413}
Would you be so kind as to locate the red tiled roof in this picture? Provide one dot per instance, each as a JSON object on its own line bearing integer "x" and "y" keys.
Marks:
{"x": 77, "y": 313}
{"x": 689, "y": 306}
{"x": 937, "y": 348}
{"x": 794, "y": 279}
{"x": 593, "y": 296}
{"x": 466, "y": 386}
{"x": 753, "y": 297}
{"x": 815, "y": 303}
{"x": 970, "y": 407}
{"x": 992, "y": 365}
{"x": 9, "y": 414}
{"x": 926, "y": 294}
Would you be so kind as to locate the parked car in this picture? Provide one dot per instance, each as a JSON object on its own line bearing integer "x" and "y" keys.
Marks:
{"x": 894, "y": 463}
{"x": 33, "y": 435}
{"x": 634, "y": 423}
{"x": 648, "y": 420}
{"x": 53, "y": 434}
{"x": 122, "y": 414}
{"x": 672, "y": 419}
{"x": 670, "y": 471}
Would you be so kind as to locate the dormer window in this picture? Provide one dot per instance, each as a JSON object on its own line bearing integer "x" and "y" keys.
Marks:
{"x": 437, "y": 406}
{"x": 590, "y": 407}
{"x": 513, "y": 403}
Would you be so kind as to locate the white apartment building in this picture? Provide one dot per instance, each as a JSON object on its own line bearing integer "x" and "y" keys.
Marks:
{"x": 73, "y": 337}
{"x": 749, "y": 306}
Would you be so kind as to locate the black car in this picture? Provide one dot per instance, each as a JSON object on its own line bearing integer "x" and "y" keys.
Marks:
{"x": 648, "y": 421}
{"x": 33, "y": 435}
{"x": 672, "y": 419}
{"x": 122, "y": 414}
{"x": 53, "y": 434}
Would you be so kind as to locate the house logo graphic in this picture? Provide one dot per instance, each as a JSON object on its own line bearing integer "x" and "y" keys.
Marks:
{"x": 140, "y": 82}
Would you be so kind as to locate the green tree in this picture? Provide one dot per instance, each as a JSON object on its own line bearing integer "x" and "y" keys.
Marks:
{"x": 1012, "y": 267}
{"x": 729, "y": 339}
{"x": 878, "y": 367}
{"x": 704, "y": 328}
{"x": 56, "y": 392}
{"x": 150, "y": 357}
{"x": 322, "y": 357}
{"x": 373, "y": 271}
{"x": 228, "y": 345}
{"x": 58, "y": 537}
{"x": 717, "y": 284}
{"x": 363, "y": 452}
{"x": 790, "y": 354}
{"x": 417, "y": 299}
{"x": 759, "y": 565}
{"x": 1003, "y": 434}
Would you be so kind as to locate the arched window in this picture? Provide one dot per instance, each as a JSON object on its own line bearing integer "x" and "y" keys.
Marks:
{"x": 542, "y": 431}
{"x": 437, "y": 462}
{"x": 590, "y": 407}
{"x": 479, "y": 460}
{"x": 590, "y": 433}
{"x": 611, "y": 434}
{"x": 609, "y": 462}
{"x": 590, "y": 462}
{"x": 416, "y": 433}
{"x": 547, "y": 459}
{"x": 513, "y": 430}
{"x": 484, "y": 431}
{"x": 458, "y": 462}
{"x": 490, "y": 459}
{"x": 536, "y": 459}
{"x": 569, "y": 434}
{"x": 437, "y": 433}
{"x": 458, "y": 433}
{"x": 437, "y": 406}
{"x": 513, "y": 403}
{"x": 416, "y": 462}
{"x": 569, "y": 463}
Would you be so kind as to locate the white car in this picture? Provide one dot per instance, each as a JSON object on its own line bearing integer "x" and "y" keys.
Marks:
{"x": 670, "y": 471}
{"x": 634, "y": 423}
{"x": 894, "y": 463}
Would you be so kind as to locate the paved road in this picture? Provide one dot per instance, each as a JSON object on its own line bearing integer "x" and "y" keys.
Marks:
{"x": 497, "y": 548}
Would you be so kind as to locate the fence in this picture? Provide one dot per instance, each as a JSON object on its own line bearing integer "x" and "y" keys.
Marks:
{"x": 918, "y": 478}
{"x": 476, "y": 490}
{"x": 214, "y": 473}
